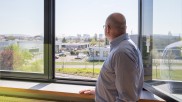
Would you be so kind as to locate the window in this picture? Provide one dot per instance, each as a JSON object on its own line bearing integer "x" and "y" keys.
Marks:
{"x": 29, "y": 42}
{"x": 79, "y": 27}
{"x": 79, "y": 40}
{"x": 162, "y": 31}
{"x": 22, "y": 38}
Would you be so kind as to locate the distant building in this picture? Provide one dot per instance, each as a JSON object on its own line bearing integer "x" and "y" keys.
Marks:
{"x": 98, "y": 53}
{"x": 101, "y": 37}
{"x": 161, "y": 41}
{"x": 71, "y": 37}
{"x": 70, "y": 46}
{"x": 86, "y": 37}
{"x": 58, "y": 46}
{"x": 2, "y": 38}
{"x": 79, "y": 38}
{"x": 79, "y": 35}
{"x": 38, "y": 37}
{"x": 28, "y": 45}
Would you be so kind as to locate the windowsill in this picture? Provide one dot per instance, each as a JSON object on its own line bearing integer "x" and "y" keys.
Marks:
{"x": 169, "y": 90}
{"x": 56, "y": 91}
{"x": 46, "y": 91}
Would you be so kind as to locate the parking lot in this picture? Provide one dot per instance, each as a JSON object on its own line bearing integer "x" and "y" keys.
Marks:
{"x": 73, "y": 58}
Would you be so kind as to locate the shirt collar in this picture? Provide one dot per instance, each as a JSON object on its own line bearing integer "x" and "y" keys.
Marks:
{"x": 119, "y": 39}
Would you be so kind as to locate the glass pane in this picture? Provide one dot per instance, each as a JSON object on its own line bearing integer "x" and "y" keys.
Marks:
{"x": 21, "y": 35}
{"x": 163, "y": 44}
{"x": 167, "y": 45}
{"x": 80, "y": 40}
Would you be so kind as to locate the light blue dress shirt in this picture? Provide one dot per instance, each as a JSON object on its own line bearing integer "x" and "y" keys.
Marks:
{"x": 121, "y": 77}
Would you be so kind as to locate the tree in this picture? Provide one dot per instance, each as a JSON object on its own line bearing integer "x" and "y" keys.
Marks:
{"x": 13, "y": 57}
{"x": 106, "y": 41}
{"x": 64, "y": 40}
{"x": 168, "y": 60}
{"x": 95, "y": 37}
{"x": 6, "y": 59}
{"x": 56, "y": 38}
{"x": 156, "y": 59}
{"x": 10, "y": 38}
{"x": 169, "y": 56}
{"x": 93, "y": 42}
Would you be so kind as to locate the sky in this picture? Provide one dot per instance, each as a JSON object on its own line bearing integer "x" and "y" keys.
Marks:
{"x": 167, "y": 16}
{"x": 88, "y": 16}
{"x": 22, "y": 17}
{"x": 85, "y": 16}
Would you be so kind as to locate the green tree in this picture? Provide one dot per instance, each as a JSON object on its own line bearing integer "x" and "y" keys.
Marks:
{"x": 10, "y": 38}
{"x": 13, "y": 57}
{"x": 6, "y": 59}
{"x": 35, "y": 66}
{"x": 95, "y": 37}
{"x": 64, "y": 40}
{"x": 106, "y": 41}
{"x": 155, "y": 59}
{"x": 93, "y": 42}
{"x": 168, "y": 60}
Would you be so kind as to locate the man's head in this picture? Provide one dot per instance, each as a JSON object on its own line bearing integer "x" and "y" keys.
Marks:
{"x": 115, "y": 26}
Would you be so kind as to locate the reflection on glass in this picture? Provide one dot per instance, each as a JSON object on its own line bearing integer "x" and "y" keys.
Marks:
{"x": 21, "y": 35}
{"x": 167, "y": 40}
{"x": 167, "y": 46}
{"x": 79, "y": 34}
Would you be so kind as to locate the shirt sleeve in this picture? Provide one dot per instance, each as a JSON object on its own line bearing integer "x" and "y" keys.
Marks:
{"x": 125, "y": 66}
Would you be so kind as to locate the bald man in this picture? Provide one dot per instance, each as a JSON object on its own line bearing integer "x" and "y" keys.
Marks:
{"x": 121, "y": 76}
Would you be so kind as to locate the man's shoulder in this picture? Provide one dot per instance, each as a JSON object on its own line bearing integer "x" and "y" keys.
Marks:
{"x": 125, "y": 48}
{"x": 119, "y": 51}
{"x": 125, "y": 45}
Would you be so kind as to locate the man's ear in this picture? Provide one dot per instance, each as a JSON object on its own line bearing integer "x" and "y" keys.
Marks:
{"x": 108, "y": 29}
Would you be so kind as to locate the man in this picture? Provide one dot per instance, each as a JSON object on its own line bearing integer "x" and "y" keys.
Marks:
{"x": 121, "y": 76}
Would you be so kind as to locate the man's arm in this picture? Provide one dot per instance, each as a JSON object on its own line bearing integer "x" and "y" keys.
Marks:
{"x": 126, "y": 69}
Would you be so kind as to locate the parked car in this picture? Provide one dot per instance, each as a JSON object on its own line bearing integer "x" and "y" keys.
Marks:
{"x": 56, "y": 57}
{"x": 80, "y": 56}
{"x": 62, "y": 54}
{"x": 178, "y": 58}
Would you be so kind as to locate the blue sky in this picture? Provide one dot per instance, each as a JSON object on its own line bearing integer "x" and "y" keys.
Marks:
{"x": 85, "y": 16}
{"x": 88, "y": 16}
{"x": 21, "y": 17}
{"x": 167, "y": 16}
